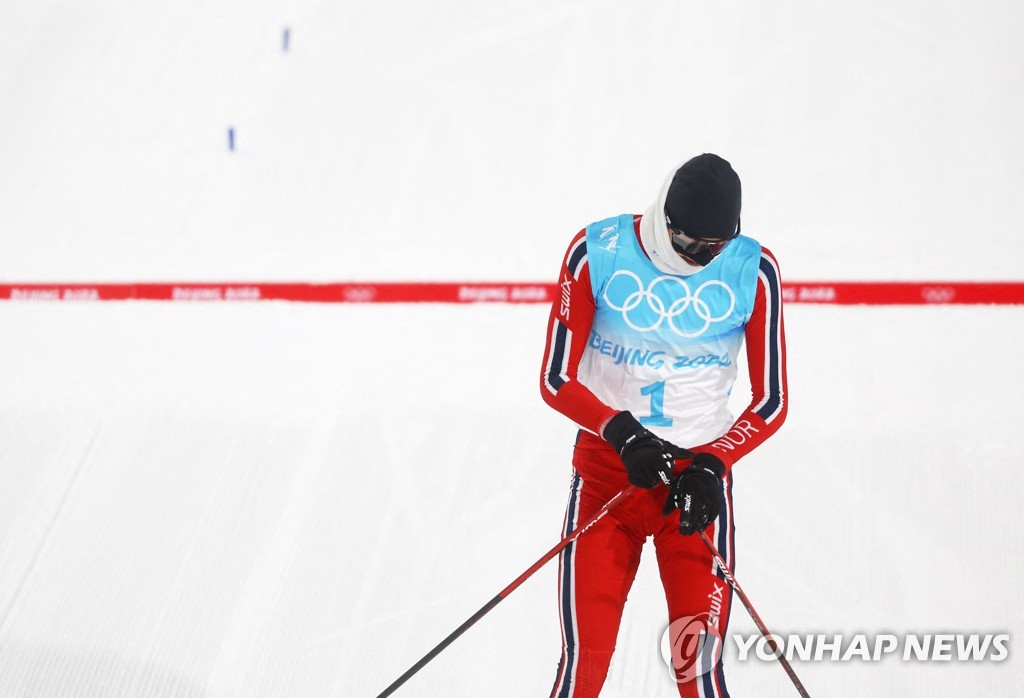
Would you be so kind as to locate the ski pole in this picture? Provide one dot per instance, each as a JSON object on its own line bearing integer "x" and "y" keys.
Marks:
{"x": 580, "y": 530}
{"x": 753, "y": 614}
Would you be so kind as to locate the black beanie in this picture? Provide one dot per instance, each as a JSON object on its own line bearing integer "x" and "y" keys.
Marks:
{"x": 704, "y": 198}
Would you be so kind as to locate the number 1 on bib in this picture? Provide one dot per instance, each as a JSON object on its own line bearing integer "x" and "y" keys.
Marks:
{"x": 657, "y": 416}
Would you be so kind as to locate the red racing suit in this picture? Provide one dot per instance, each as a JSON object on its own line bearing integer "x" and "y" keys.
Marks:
{"x": 597, "y": 570}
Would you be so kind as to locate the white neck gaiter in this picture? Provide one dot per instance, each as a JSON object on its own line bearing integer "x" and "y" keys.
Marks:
{"x": 656, "y": 239}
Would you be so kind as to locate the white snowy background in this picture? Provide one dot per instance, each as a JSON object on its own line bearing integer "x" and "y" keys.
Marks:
{"x": 270, "y": 499}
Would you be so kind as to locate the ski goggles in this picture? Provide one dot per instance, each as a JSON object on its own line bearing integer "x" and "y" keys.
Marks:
{"x": 693, "y": 245}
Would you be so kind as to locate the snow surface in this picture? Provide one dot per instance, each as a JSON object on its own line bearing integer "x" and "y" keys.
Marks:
{"x": 301, "y": 500}
{"x": 394, "y": 129}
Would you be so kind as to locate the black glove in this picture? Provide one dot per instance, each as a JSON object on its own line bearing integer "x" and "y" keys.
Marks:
{"x": 698, "y": 493}
{"x": 648, "y": 459}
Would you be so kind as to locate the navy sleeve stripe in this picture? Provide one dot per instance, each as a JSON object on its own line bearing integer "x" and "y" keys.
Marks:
{"x": 557, "y": 364}
{"x": 577, "y": 258}
{"x": 772, "y": 404}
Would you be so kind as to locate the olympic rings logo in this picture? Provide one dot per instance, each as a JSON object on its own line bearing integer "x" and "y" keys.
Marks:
{"x": 679, "y": 300}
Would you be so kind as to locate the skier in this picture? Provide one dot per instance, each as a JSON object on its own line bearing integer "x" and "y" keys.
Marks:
{"x": 642, "y": 352}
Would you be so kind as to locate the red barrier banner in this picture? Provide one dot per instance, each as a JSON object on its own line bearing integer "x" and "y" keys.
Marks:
{"x": 905, "y": 293}
{"x": 828, "y": 293}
